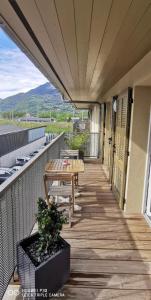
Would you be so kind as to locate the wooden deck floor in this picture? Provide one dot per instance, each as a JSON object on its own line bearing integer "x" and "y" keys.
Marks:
{"x": 110, "y": 251}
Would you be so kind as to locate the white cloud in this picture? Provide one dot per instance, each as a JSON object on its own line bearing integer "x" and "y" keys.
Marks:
{"x": 17, "y": 73}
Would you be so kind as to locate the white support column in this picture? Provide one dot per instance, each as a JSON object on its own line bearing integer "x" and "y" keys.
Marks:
{"x": 95, "y": 130}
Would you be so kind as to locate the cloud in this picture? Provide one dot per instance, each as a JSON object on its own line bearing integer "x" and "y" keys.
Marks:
{"x": 17, "y": 73}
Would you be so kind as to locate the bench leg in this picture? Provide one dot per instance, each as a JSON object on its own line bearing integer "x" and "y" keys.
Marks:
{"x": 76, "y": 179}
{"x": 70, "y": 212}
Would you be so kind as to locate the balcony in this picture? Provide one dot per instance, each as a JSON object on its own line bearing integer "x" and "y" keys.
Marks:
{"x": 81, "y": 46}
{"x": 110, "y": 250}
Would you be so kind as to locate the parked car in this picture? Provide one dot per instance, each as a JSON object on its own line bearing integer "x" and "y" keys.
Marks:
{"x": 4, "y": 174}
{"x": 42, "y": 147}
{"x": 34, "y": 153}
{"x": 15, "y": 168}
{"x": 20, "y": 161}
{"x": 5, "y": 169}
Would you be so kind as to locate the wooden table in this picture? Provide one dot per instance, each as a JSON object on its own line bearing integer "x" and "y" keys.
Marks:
{"x": 58, "y": 166}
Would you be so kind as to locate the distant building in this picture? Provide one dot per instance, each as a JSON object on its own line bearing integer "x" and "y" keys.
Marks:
{"x": 75, "y": 119}
{"x": 81, "y": 126}
{"x": 36, "y": 119}
{"x": 13, "y": 137}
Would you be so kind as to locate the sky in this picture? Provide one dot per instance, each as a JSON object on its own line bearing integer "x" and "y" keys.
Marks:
{"x": 17, "y": 73}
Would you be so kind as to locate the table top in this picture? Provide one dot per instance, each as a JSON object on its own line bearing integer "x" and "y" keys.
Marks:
{"x": 58, "y": 166}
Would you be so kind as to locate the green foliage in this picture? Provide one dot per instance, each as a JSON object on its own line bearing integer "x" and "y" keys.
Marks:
{"x": 50, "y": 222}
{"x": 48, "y": 114}
{"x": 64, "y": 116}
{"x": 56, "y": 127}
{"x": 59, "y": 127}
{"x": 77, "y": 141}
{"x": 41, "y": 101}
{"x": 35, "y": 104}
{"x": 12, "y": 114}
{"x": 59, "y": 116}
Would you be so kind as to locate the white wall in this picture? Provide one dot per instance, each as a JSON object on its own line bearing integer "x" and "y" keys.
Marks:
{"x": 95, "y": 128}
{"x": 138, "y": 149}
{"x": 95, "y": 119}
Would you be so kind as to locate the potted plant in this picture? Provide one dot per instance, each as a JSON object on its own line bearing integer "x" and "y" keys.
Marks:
{"x": 77, "y": 142}
{"x": 43, "y": 259}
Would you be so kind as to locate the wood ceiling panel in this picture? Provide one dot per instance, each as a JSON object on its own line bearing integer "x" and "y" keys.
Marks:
{"x": 65, "y": 11}
{"x": 36, "y": 23}
{"x": 136, "y": 12}
{"x": 139, "y": 75}
{"x": 117, "y": 14}
{"x": 96, "y": 36}
{"x": 49, "y": 17}
{"x": 136, "y": 39}
{"x": 83, "y": 15}
{"x": 132, "y": 48}
{"x": 132, "y": 57}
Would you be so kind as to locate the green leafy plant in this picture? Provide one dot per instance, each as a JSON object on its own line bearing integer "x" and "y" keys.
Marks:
{"x": 50, "y": 222}
{"x": 77, "y": 141}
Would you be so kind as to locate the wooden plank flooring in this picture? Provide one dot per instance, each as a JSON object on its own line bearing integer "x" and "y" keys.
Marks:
{"x": 110, "y": 250}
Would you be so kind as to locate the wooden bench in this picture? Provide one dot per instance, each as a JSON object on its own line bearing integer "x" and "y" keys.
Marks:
{"x": 71, "y": 154}
{"x": 60, "y": 190}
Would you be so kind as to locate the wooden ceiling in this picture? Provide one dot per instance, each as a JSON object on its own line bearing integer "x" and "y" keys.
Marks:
{"x": 84, "y": 46}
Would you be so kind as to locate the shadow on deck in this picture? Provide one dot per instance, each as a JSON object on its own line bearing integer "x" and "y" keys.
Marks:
{"x": 110, "y": 251}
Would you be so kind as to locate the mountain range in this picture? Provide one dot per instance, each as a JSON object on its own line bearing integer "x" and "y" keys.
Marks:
{"x": 43, "y": 98}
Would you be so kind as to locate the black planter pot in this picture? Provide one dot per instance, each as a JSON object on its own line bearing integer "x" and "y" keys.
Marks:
{"x": 48, "y": 277}
{"x": 81, "y": 154}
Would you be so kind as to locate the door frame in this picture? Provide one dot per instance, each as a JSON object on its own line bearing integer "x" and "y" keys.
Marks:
{"x": 113, "y": 133}
{"x": 129, "y": 92}
{"x": 102, "y": 134}
{"x": 147, "y": 173}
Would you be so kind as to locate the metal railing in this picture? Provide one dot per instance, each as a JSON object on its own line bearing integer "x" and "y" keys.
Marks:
{"x": 18, "y": 206}
{"x": 90, "y": 146}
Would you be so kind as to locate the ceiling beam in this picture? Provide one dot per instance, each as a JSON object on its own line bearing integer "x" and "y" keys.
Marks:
{"x": 85, "y": 102}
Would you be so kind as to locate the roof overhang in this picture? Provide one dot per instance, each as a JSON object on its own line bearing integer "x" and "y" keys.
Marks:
{"x": 85, "y": 48}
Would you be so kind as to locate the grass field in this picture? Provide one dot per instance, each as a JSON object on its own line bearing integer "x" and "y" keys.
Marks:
{"x": 57, "y": 127}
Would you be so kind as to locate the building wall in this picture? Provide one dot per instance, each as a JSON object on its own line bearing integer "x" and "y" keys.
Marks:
{"x": 12, "y": 141}
{"x": 138, "y": 149}
{"x": 95, "y": 119}
{"x": 35, "y": 134}
{"x": 9, "y": 159}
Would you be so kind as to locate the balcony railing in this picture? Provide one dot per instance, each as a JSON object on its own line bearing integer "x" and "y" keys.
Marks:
{"x": 91, "y": 145}
{"x": 18, "y": 198}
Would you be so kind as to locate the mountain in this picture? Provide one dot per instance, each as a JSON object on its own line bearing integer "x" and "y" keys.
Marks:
{"x": 43, "y": 98}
